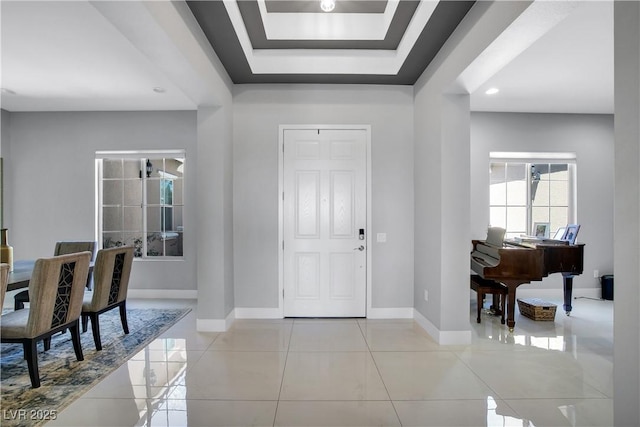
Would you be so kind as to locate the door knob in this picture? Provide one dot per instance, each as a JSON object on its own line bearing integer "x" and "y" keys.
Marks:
{"x": 361, "y": 248}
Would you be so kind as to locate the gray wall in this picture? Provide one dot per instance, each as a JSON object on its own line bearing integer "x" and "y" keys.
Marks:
{"x": 591, "y": 138}
{"x": 215, "y": 216}
{"x": 4, "y": 152}
{"x": 258, "y": 111}
{"x": 50, "y": 181}
{"x": 626, "y": 330}
{"x": 4, "y": 130}
{"x": 442, "y": 147}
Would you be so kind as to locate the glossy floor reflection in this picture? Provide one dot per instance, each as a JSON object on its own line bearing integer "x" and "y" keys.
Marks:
{"x": 358, "y": 372}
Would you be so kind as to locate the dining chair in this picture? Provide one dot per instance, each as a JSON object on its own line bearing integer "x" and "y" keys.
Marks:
{"x": 63, "y": 247}
{"x": 4, "y": 280}
{"x": 111, "y": 281}
{"x": 56, "y": 288}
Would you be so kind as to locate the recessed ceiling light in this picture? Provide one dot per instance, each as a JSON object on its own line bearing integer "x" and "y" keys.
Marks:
{"x": 327, "y": 5}
{"x": 159, "y": 89}
{"x": 6, "y": 91}
{"x": 492, "y": 91}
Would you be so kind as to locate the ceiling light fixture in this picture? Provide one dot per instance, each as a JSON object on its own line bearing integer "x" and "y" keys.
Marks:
{"x": 327, "y": 5}
{"x": 492, "y": 91}
{"x": 159, "y": 89}
{"x": 6, "y": 91}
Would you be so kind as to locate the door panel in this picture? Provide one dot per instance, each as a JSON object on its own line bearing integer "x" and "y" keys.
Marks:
{"x": 307, "y": 203}
{"x": 307, "y": 276}
{"x": 342, "y": 204}
{"x": 324, "y": 208}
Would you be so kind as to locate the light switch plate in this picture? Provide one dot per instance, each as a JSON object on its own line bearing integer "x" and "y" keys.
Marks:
{"x": 381, "y": 237}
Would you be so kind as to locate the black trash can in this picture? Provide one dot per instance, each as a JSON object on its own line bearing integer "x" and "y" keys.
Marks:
{"x": 607, "y": 286}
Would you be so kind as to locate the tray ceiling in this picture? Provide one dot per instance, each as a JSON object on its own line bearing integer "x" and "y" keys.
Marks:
{"x": 375, "y": 42}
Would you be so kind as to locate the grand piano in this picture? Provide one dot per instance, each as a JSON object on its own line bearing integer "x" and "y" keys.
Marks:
{"x": 515, "y": 263}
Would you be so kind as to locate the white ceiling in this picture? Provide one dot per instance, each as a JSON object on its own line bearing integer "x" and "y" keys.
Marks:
{"x": 67, "y": 56}
{"x": 568, "y": 70}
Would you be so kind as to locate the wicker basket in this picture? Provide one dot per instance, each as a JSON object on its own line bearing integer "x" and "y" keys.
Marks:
{"x": 537, "y": 309}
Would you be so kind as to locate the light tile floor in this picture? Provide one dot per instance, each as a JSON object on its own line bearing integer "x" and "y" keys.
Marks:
{"x": 358, "y": 372}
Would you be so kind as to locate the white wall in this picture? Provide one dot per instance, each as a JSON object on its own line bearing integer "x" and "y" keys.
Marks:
{"x": 590, "y": 137}
{"x": 258, "y": 111}
{"x": 50, "y": 181}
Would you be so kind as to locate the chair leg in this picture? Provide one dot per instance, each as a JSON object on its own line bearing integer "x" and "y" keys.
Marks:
{"x": 31, "y": 354}
{"x": 47, "y": 341}
{"x": 75, "y": 338}
{"x": 123, "y": 316}
{"x": 19, "y": 299}
{"x": 95, "y": 328}
{"x": 85, "y": 322}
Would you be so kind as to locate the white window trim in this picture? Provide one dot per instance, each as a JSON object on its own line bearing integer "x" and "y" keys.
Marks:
{"x": 140, "y": 154}
{"x": 531, "y": 157}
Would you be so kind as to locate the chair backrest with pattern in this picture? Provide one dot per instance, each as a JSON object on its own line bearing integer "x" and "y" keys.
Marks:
{"x": 111, "y": 273}
{"x": 56, "y": 290}
{"x": 4, "y": 280}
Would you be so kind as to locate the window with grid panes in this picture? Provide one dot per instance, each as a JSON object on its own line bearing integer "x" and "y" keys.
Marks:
{"x": 525, "y": 193}
{"x": 141, "y": 203}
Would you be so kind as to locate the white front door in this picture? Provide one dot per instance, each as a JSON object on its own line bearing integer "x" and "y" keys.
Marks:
{"x": 325, "y": 236}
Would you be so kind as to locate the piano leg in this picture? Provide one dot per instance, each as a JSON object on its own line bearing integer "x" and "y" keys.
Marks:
{"x": 495, "y": 304}
{"x": 511, "y": 303}
{"x": 568, "y": 290}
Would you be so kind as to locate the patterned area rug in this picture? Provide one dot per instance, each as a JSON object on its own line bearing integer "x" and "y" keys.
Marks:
{"x": 63, "y": 378}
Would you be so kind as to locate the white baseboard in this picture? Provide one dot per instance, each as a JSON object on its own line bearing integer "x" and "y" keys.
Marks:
{"x": 257, "y": 313}
{"x": 442, "y": 337}
{"x": 390, "y": 313}
{"x": 161, "y": 294}
{"x": 372, "y": 313}
{"x": 215, "y": 325}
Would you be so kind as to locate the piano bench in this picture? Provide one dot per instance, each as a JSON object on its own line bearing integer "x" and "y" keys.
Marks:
{"x": 491, "y": 287}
